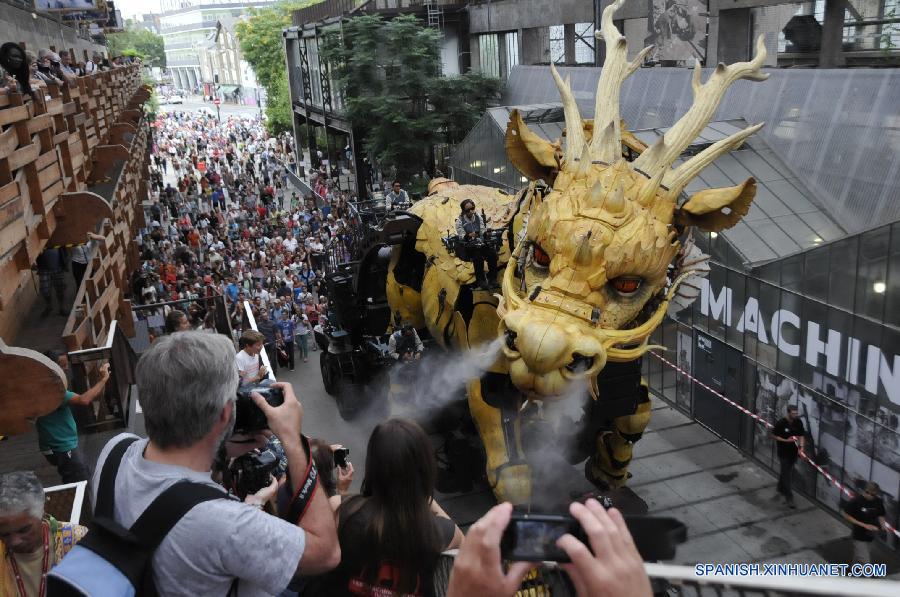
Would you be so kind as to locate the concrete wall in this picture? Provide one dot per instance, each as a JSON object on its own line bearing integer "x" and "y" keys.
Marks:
{"x": 509, "y": 15}
{"x": 535, "y": 45}
{"x": 450, "y": 53}
{"x": 37, "y": 31}
{"x": 734, "y": 36}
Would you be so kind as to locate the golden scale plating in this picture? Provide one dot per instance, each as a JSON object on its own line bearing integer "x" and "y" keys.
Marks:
{"x": 601, "y": 245}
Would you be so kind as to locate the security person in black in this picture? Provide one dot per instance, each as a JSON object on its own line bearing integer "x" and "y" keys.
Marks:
{"x": 785, "y": 432}
{"x": 470, "y": 229}
{"x": 866, "y": 513}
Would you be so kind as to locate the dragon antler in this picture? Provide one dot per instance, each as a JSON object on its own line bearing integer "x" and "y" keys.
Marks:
{"x": 707, "y": 96}
{"x": 606, "y": 141}
{"x": 606, "y": 144}
{"x": 574, "y": 126}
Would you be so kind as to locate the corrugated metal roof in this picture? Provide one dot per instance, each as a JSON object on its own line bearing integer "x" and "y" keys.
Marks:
{"x": 784, "y": 218}
{"x": 838, "y": 130}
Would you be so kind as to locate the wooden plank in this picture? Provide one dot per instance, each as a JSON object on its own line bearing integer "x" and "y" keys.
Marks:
{"x": 55, "y": 106}
{"x": 53, "y": 191}
{"x": 14, "y": 114}
{"x": 39, "y": 123}
{"x": 8, "y": 192}
{"x": 9, "y": 141}
{"x": 24, "y": 155}
{"x": 46, "y": 159}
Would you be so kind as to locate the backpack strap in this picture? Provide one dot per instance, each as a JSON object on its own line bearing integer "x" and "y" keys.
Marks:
{"x": 168, "y": 508}
{"x": 106, "y": 488}
{"x": 160, "y": 517}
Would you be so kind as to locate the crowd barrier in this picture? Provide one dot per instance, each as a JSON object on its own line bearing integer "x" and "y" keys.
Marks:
{"x": 768, "y": 424}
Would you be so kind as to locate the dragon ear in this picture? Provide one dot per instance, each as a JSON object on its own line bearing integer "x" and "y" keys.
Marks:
{"x": 531, "y": 154}
{"x": 717, "y": 209}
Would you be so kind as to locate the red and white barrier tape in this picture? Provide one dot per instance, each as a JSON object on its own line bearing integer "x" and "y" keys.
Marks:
{"x": 845, "y": 490}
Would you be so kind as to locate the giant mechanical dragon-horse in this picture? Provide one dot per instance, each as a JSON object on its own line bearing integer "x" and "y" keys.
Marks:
{"x": 594, "y": 252}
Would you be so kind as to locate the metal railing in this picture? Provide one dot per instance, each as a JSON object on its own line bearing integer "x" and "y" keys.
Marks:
{"x": 326, "y": 10}
{"x": 112, "y": 411}
{"x": 250, "y": 323}
{"x": 150, "y": 318}
{"x": 670, "y": 579}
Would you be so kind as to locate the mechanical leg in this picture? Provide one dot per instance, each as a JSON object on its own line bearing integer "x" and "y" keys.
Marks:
{"x": 609, "y": 464}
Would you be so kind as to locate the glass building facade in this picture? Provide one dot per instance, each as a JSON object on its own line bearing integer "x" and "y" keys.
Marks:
{"x": 815, "y": 330}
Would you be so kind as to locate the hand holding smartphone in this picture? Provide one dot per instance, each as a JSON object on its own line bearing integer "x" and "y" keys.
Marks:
{"x": 533, "y": 537}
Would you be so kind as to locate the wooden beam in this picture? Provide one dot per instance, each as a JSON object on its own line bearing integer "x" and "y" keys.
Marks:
{"x": 77, "y": 214}
{"x": 31, "y": 385}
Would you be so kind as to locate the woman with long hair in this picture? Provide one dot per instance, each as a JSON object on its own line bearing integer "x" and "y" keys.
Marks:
{"x": 393, "y": 532}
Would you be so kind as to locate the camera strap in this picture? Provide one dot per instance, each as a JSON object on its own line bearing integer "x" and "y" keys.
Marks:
{"x": 303, "y": 498}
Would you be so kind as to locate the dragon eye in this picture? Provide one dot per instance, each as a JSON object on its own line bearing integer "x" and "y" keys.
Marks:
{"x": 626, "y": 285}
{"x": 540, "y": 256}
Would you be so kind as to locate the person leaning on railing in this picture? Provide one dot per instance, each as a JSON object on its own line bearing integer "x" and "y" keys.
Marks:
{"x": 57, "y": 433}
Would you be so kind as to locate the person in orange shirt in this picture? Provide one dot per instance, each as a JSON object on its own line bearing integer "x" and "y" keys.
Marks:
{"x": 194, "y": 241}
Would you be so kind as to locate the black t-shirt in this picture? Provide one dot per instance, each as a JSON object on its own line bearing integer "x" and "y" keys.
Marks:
{"x": 786, "y": 429}
{"x": 866, "y": 511}
{"x": 348, "y": 579}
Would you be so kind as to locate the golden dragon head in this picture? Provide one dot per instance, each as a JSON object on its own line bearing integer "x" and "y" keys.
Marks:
{"x": 590, "y": 278}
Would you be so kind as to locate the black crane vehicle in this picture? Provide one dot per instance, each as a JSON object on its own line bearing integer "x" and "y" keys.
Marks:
{"x": 354, "y": 357}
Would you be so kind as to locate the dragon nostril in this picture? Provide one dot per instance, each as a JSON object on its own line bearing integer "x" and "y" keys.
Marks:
{"x": 580, "y": 363}
{"x": 511, "y": 340}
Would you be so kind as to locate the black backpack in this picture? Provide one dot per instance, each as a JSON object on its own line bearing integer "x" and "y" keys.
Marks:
{"x": 112, "y": 561}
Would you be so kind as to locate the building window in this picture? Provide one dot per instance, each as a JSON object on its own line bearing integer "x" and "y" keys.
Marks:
{"x": 557, "y": 44}
{"x": 511, "y": 41}
{"x": 489, "y": 54}
{"x": 584, "y": 43}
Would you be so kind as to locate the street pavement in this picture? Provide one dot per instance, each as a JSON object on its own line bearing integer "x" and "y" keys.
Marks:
{"x": 193, "y": 104}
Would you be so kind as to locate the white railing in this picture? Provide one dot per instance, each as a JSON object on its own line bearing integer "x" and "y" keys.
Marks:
{"x": 685, "y": 581}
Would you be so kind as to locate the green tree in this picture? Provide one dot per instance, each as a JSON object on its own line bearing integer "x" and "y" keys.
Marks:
{"x": 142, "y": 43}
{"x": 278, "y": 106}
{"x": 263, "y": 48}
{"x": 389, "y": 74}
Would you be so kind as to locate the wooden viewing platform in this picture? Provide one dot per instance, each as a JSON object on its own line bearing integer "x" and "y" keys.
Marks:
{"x": 73, "y": 159}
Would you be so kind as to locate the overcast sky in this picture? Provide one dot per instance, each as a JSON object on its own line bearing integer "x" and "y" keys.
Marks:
{"x": 135, "y": 8}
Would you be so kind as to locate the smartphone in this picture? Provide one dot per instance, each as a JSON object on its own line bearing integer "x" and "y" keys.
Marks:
{"x": 340, "y": 457}
{"x": 532, "y": 537}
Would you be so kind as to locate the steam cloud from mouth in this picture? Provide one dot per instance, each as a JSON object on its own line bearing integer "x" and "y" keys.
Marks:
{"x": 440, "y": 378}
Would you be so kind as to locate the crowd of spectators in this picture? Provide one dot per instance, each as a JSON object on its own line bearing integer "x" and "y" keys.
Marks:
{"x": 303, "y": 534}
{"x": 223, "y": 223}
{"x": 62, "y": 69}
{"x": 224, "y": 227}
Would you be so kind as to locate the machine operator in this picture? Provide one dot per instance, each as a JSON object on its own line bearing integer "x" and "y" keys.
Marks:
{"x": 405, "y": 345}
{"x": 470, "y": 229}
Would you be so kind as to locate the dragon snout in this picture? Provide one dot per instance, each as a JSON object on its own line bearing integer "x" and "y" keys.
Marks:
{"x": 580, "y": 363}
{"x": 510, "y": 340}
{"x": 543, "y": 345}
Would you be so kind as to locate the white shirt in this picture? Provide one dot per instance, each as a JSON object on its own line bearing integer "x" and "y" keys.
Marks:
{"x": 290, "y": 244}
{"x": 247, "y": 366}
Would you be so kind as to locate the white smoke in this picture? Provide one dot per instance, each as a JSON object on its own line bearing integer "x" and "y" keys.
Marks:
{"x": 568, "y": 408}
{"x": 440, "y": 378}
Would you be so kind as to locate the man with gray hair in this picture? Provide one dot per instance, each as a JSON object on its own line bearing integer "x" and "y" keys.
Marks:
{"x": 187, "y": 385}
{"x": 30, "y": 542}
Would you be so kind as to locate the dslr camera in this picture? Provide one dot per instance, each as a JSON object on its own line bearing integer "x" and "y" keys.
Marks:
{"x": 250, "y": 473}
{"x": 248, "y": 417}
